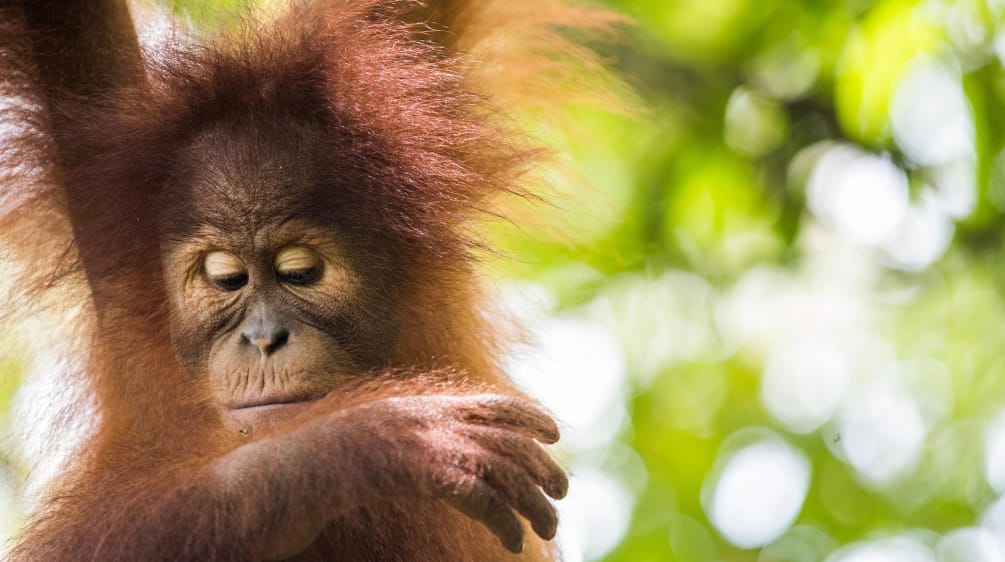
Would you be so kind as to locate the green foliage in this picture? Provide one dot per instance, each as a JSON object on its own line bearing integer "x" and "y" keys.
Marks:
{"x": 799, "y": 246}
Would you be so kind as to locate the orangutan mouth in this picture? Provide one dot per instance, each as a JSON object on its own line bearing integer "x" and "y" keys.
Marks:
{"x": 254, "y": 418}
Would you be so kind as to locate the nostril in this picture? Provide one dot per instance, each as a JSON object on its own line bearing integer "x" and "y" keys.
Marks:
{"x": 278, "y": 340}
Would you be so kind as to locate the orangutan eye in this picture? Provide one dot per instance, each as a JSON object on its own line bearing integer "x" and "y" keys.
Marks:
{"x": 225, "y": 270}
{"x": 297, "y": 265}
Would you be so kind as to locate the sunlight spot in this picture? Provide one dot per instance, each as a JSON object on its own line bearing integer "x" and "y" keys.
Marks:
{"x": 994, "y": 452}
{"x": 863, "y": 196}
{"x": 993, "y": 519}
{"x": 923, "y": 235}
{"x": 759, "y": 492}
{"x": 897, "y": 549}
{"x": 804, "y": 384}
{"x": 955, "y": 187}
{"x": 930, "y": 115}
{"x": 882, "y": 433}
{"x": 966, "y": 28}
{"x": 662, "y": 320}
{"x": 768, "y": 307}
{"x": 971, "y": 544}
{"x": 594, "y": 517}
{"x": 575, "y": 368}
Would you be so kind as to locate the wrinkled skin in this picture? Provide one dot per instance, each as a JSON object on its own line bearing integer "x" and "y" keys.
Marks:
{"x": 477, "y": 452}
{"x": 275, "y": 339}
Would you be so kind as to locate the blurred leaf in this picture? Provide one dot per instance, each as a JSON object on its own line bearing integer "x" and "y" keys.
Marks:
{"x": 872, "y": 63}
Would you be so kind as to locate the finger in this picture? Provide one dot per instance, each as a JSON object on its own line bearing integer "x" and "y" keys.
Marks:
{"x": 523, "y": 495}
{"x": 532, "y": 457}
{"x": 513, "y": 413}
{"x": 476, "y": 499}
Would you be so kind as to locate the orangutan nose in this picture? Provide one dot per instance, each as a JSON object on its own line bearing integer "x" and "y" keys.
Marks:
{"x": 267, "y": 334}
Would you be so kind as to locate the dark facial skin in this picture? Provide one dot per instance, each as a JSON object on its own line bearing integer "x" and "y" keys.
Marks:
{"x": 270, "y": 306}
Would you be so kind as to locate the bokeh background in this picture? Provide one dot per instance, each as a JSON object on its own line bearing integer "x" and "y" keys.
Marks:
{"x": 771, "y": 315}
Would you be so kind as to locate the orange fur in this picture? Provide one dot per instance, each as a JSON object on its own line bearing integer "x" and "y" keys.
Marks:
{"x": 419, "y": 148}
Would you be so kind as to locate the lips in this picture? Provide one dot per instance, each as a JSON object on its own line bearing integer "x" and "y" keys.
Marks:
{"x": 255, "y": 417}
{"x": 261, "y": 402}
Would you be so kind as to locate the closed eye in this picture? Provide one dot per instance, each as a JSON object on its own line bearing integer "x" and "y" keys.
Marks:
{"x": 299, "y": 276}
{"x": 298, "y": 265}
{"x": 225, "y": 270}
{"x": 231, "y": 282}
